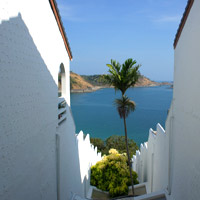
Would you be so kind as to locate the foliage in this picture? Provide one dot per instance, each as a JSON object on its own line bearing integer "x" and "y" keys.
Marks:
{"x": 112, "y": 174}
{"x": 113, "y": 151}
{"x": 124, "y": 106}
{"x": 99, "y": 143}
{"x": 116, "y": 142}
{"x": 123, "y": 76}
{"x": 72, "y": 82}
{"x": 96, "y": 80}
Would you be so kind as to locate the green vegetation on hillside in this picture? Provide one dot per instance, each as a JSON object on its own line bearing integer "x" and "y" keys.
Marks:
{"x": 72, "y": 81}
{"x": 116, "y": 142}
{"x": 112, "y": 174}
{"x": 82, "y": 82}
{"x": 96, "y": 80}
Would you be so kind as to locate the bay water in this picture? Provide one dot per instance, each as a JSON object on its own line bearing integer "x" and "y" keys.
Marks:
{"x": 96, "y": 114}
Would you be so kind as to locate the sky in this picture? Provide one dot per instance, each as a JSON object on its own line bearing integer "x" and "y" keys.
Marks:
{"x": 101, "y": 30}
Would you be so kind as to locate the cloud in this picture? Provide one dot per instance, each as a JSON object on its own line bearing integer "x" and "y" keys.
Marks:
{"x": 68, "y": 13}
{"x": 166, "y": 19}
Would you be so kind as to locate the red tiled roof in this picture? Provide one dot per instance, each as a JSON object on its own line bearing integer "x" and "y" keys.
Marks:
{"x": 183, "y": 20}
{"x": 61, "y": 27}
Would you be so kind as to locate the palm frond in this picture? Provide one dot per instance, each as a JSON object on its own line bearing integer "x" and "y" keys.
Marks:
{"x": 124, "y": 106}
{"x": 125, "y": 76}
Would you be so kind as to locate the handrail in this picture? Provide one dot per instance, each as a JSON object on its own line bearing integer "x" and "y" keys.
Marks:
{"x": 62, "y": 111}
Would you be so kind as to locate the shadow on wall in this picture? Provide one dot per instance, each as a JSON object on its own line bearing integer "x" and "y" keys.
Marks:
{"x": 28, "y": 120}
{"x": 86, "y": 184}
{"x": 69, "y": 163}
{"x": 23, "y": 63}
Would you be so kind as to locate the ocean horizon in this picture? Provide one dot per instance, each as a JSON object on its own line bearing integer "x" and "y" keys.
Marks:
{"x": 95, "y": 113}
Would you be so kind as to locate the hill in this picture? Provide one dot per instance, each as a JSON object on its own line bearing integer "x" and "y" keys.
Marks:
{"x": 89, "y": 83}
{"x": 97, "y": 80}
{"x": 79, "y": 83}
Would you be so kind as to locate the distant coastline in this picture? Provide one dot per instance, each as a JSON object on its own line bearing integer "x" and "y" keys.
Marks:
{"x": 84, "y": 84}
{"x": 93, "y": 89}
{"x": 87, "y": 90}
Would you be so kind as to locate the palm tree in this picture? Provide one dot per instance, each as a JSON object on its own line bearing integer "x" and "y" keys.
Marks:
{"x": 123, "y": 77}
{"x": 124, "y": 107}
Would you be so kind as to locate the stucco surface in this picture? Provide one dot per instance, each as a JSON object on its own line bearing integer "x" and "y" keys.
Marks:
{"x": 28, "y": 116}
{"x": 31, "y": 51}
{"x": 70, "y": 172}
{"x": 151, "y": 162}
{"x": 185, "y": 159}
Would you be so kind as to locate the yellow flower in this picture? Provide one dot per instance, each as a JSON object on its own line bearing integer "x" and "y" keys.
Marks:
{"x": 113, "y": 151}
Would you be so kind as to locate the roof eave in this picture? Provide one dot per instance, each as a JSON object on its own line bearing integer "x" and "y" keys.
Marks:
{"x": 61, "y": 27}
{"x": 183, "y": 21}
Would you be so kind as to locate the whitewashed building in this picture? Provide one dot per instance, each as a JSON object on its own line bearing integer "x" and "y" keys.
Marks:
{"x": 169, "y": 162}
{"x": 39, "y": 151}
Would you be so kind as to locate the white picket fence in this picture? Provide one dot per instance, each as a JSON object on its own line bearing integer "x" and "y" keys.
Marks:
{"x": 151, "y": 161}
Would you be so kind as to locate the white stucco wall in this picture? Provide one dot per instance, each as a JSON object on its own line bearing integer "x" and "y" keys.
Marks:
{"x": 76, "y": 156}
{"x": 185, "y": 158}
{"x": 31, "y": 51}
{"x": 39, "y": 19}
{"x": 160, "y": 176}
{"x": 88, "y": 156}
{"x": 69, "y": 165}
{"x": 151, "y": 162}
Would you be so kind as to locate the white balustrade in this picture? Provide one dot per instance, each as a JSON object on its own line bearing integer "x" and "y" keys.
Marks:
{"x": 151, "y": 161}
{"x": 62, "y": 112}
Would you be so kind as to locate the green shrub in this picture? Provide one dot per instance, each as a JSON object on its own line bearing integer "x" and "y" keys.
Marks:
{"x": 114, "y": 141}
{"x": 112, "y": 174}
{"x": 99, "y": 143}
{"x": 118, "y": 142}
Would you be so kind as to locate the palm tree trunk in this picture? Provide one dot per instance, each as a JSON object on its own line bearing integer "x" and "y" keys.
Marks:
{"x": 127, "y": 150}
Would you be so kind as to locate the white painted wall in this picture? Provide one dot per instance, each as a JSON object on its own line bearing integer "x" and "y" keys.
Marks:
{"x": 185, "y": 140}
{"x": 76, "y": 156}
{"x": 69, "y": 165}
{"x": 40, "y": 23}
{"x": 151, "y": 162}
{"x": 88, "y": 156}
{"x": 31, "y": 51}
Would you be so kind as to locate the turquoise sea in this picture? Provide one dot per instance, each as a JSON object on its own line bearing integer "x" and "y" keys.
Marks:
{"x": 95, "y": 113}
